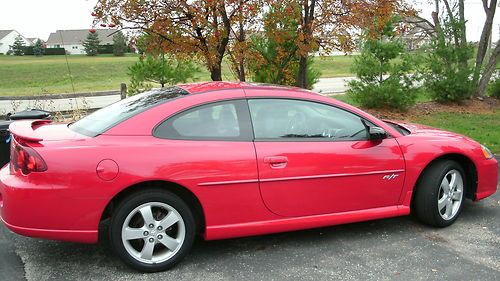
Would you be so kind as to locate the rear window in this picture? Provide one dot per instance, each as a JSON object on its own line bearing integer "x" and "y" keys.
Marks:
{"x": 108, "y": 117}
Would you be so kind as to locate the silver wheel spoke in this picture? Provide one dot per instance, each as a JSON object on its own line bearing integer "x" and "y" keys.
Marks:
{"x": 147, "y": 215}
{"x": 445, "y": 185}
{"x": 169, "y": 242}
{"x": 453, "y": 180}
{"x": 147, "y": 250}
{"x": 442, "y": 202}
{"x": 169, "y": 220}
{"x": 457, "y": 195}
{"x": 133, "y": 233}
{"x": 449, "y": 209}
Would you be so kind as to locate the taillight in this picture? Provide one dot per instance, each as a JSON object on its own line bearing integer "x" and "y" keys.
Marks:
{"x": 25, "y": 159}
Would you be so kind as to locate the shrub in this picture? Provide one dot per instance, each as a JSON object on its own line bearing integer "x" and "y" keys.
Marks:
{"x": 276, "y": 59}
{"x": 162, "y": 70}
{"x": 278, "y": 64}
{"x": 54, "y": 51}
{"x": 105, "y": 49}
{"x": 119, "y": 44}
{"x": 38, "y": 48}
{"x": 383, "y": 71}
{"x": 18, "y": 46}
{"x": 91, "y": 43}
{"x": 448, "y": 68}
{"x": 494, "y": 87}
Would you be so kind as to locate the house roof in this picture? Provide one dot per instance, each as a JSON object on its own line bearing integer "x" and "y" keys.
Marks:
{"x": 4, "y": 33}
{"x": 34, "y": 39}
{"x": 77, "y": 36}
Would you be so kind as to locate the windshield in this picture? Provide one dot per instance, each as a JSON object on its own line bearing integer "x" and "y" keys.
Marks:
{"x": 107, "y": 117}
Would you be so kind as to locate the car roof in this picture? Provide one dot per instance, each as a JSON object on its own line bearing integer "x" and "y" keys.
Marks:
{"x": 203, "y": 87}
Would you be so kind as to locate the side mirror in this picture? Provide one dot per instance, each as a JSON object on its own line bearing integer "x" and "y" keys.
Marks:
{"x": 377, "y": 133}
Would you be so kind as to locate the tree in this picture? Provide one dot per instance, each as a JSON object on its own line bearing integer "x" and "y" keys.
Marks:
{"x": 449, "y": 71}
{"x": 274, "y": 52}
{"x": 481, "y": 80}
{"x": 483, "y": 67}
{"x": 326, "y": 25}
{"x": 38, "y": 48}
{"x": 160, "y": 69}
{"x": 383, "y": 71}
{"x": 18, "y": 46}
{"x": 119, "y": 44}
{"x": 91, "y": 43}
{"x": 187, "y": 28}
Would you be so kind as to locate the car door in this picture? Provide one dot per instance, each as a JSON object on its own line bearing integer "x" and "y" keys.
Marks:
{"x": 315, "y": 158}
{"x": 208, "y": 148}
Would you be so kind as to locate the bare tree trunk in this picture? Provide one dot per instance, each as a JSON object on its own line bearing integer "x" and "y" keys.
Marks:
{"x": 488, "y": 71}
{"x": 216, "y": 72}
{"x": 241, "y": 61}
{"x": 302, "y": 79}
{"x": 463, "y": 31}
{"x": 483, "y": 41}
{"x": 435, "y": 19}
{"x": 307, "y": 20}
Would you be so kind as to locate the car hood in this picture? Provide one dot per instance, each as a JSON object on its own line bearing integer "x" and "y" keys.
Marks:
{"x": 418, "y": 129}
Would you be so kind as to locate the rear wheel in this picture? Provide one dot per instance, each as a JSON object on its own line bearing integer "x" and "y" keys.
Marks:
{"x": 440, "y": 193}
{"x": 152, "y": 230}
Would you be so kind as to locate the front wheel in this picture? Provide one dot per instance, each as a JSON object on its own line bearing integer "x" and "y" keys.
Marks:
{"x": 440, "y": 193}
{"x": 152, "y": 230}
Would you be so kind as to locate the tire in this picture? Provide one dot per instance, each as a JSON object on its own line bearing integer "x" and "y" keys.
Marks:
{"x": 436, "y": 203}
{"x": 152, "y": 230}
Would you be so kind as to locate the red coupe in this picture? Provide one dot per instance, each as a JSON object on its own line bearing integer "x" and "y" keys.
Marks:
{"x": 227, "y": 160}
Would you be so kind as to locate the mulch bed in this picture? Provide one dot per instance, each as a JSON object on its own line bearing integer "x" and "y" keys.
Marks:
{"x": 486, "y": 106}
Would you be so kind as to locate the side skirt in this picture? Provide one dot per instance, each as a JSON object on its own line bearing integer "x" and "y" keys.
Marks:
{"x": 299, "y": 223}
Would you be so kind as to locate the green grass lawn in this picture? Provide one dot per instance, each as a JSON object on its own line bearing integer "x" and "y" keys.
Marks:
{"x": 31, "y": 75}
{"x": 483, "y": 127}
{"x": 334, "y": 66}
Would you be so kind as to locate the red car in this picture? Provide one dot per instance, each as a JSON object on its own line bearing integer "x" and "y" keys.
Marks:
{"x": 228, "y": 160}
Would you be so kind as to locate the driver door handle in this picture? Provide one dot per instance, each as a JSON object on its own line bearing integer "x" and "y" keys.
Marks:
{"x": 276, "y": 162}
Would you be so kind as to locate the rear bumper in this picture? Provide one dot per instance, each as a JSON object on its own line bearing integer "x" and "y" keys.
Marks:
{"x": 487, "y": 172}
{"x": 30, "y": 208}
{"x": 82, "y": 236}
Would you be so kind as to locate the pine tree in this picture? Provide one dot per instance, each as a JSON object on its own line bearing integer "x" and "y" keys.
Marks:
{"x": 38, "y": 48}
{"x": 384, "y": 70}
{"x": 91, "y": 44}
{"x": 119, "y": 44}
{"x": 18, "y": 47}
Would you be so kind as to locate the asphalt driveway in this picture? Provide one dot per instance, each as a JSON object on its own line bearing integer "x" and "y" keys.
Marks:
{"x": 390, "y": 249}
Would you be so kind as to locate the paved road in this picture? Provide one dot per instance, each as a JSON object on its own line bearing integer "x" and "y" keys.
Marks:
{"x": 389, "y": 249}
{"x": 332, "y": 85}
{"x": 325, "y": 85}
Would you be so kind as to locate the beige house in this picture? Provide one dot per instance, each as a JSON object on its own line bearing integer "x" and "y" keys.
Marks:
{"x": 72, "y": 40}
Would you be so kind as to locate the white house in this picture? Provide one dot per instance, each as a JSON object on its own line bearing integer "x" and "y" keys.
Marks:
{"x": 72, "y": 40}
{"x": 7, "y": 38}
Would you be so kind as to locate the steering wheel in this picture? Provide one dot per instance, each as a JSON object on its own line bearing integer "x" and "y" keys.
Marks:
{"x": 296, "y": 125}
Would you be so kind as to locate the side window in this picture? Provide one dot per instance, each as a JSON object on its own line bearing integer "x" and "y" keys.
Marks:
{"x": 226, "y": 120}
{"x": 296, "y": 119}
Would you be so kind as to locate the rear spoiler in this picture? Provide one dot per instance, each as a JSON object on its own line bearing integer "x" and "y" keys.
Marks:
{"x": 26, "y": 129}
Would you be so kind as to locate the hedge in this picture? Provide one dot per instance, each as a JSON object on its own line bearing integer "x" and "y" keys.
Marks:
{"x": 28, "y": 51}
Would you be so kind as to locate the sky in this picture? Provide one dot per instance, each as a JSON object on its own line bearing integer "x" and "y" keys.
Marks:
{"x": 38, "y": 18}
